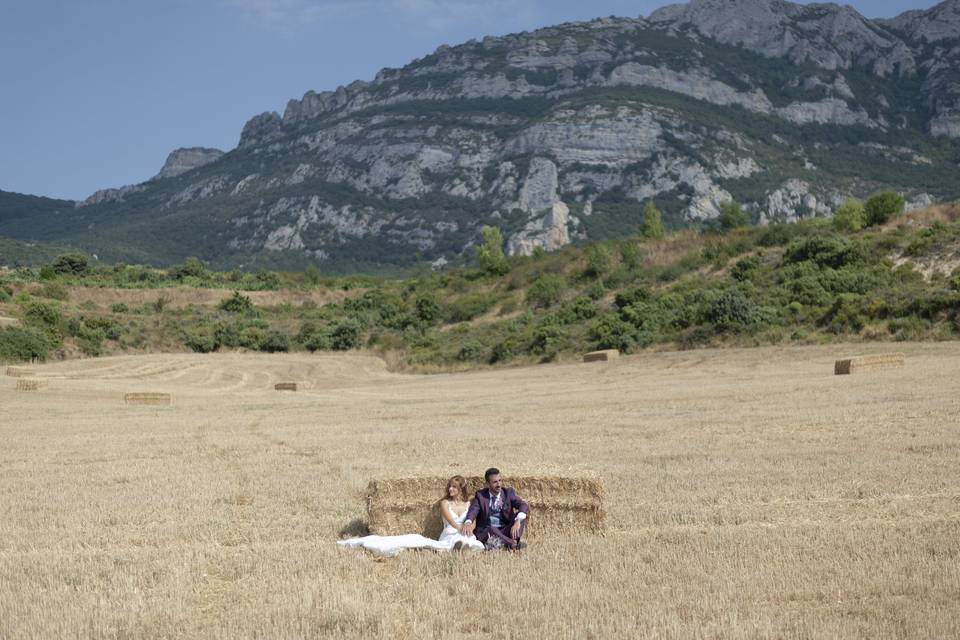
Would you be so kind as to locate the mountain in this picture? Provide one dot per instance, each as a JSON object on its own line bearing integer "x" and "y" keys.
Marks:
{"x": 560, "y": 135}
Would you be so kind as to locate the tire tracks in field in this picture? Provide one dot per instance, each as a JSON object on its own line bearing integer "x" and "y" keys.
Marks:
{"x": 313, "y": 455}
{"x": 223, "y": 572}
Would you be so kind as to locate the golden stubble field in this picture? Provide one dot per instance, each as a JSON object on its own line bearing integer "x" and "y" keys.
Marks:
{"x": 751, "y": 493}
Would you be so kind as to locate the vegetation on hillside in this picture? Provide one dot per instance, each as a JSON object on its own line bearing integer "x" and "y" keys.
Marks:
{"x": 813, "y": 281}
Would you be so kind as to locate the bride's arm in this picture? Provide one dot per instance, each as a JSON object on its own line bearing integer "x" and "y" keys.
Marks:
{"x": 446, "y": 514}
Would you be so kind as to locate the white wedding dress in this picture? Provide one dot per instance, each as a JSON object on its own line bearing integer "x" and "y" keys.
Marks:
{"x": 390, "y": 546}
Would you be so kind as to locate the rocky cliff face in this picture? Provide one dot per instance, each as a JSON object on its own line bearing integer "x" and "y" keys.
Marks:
{"x": 561, "y": 134}
{"x": 183, "y": 160}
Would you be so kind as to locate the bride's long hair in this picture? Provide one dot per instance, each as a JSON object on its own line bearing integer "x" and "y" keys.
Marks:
{"x": 460, "y": 483}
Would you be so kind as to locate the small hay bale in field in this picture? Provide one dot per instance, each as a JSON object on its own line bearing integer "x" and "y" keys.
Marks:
{"x": 31, "y": 384}
{"x": 559, "y": 505}
{"x": 602, "y": 356}
{"x": 867, "y": 363}
{"x": 20, "y": 372}
{"x": 285, "y": 386}
{"x": 148, "y": 398}
{"x": 8, "y": 322}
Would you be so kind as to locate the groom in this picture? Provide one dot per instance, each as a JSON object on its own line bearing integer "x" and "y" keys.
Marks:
{"x": 496, "y": 515}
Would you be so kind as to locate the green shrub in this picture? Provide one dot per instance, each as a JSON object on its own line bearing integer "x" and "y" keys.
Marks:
{"x": 595, "y": 290}
{"x": 252, "y": 338}
{"x": 631, "y": 297}
{"x": 345, "y": 335}
{"x": 599, "y": 261}
{"x": 733, "y": 311}
{"x": 311, "y": 275}
{"x": 610, "y": 332}
{"x": 119, "y": 307}
{"x": 53, "y": 291}
{"x": 6, "y": 293}
{"x": 546, "y": 340}
{"x": 427, "y": 309}
{"x": 630, "y": 254}
{"x": 845, "y": 315}
{"x": 883, "y": 206}
{"x": 466, "y": 308}
{"x": 472, "y": 350}
{"x": 732, "y": 216}
{"x": 237, "y": 303}
{"x": 824, "y": 251}
{"x": 202, "y": 339}
{"x": 90, "y": 341}
{"x": 43, "y": 316}
{"x": 850, "y": 216}
{"x": 47, "y": 272}
{"x": 275, "y": 342}
{"x": 23, "y": 344}
{"x": 547, "y": 290}
{"x": 746, "y": 268}
{"x": 577, "y": 310}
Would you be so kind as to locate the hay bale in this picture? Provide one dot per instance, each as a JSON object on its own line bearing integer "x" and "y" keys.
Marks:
{"x": 20, "y": 372}
{"x": 8, "y": 322}
{"x": 31, "y": 384}
{"x": 867, "y": 363}
{"x": 285, "y": 386}
{"x": 602, "y": 356}
{"x": 148, "y": 398}
{"x": 559, "y": 505}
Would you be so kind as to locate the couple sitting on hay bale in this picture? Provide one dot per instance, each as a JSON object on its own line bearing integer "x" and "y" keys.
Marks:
{"x": 494, "y": 519}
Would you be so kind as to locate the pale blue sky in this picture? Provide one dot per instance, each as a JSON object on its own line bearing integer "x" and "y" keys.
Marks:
{"x": 96, "y": 93}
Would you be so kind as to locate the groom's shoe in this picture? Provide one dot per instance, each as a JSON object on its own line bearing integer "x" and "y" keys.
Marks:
{"x": 458, "y": 545}
{"x": 520, "y": 546}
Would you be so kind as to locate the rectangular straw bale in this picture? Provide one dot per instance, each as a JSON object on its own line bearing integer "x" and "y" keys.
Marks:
{"x": 559, "y": 505}
{"x": 20, "y": 372}
{"x": 601, "y": 356}
{"x": 31, "y": 384}
{"x": 285, "y": 386}
{"x": 148, "y": 398}
{"x": 866, "y": 363}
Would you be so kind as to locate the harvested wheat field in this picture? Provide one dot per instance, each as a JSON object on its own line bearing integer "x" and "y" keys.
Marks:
{"x": 748, "y": 493}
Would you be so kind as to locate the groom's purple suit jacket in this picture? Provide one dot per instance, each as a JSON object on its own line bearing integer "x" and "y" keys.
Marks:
{"x": 479, "y": 511}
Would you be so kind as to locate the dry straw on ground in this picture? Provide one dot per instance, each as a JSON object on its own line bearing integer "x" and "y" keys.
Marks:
{"x": 148, "y": 398}
{"x": 748, "y": 495}
{"x": 285, "y": 386}
{"x": 868, "y": 363}
{"x": 601, "y": 356}
{"x": 20, "y": 372}
{"x": 31, "y": 384}
{"x": 558, "y": 505}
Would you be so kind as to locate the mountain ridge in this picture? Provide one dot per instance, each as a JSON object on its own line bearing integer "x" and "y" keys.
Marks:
{"x": 559, "y": 135}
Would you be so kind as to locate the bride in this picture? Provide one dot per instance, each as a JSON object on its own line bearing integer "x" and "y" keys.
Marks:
{"x": 453, "y": 509}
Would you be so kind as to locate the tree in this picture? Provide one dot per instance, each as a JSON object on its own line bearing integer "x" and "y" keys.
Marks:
{"x": 850, "y": 216}
{"x": 190, "y": 267}
{"x": 312, "y": 275}
{"x": 490, "y": 252}
{"x": 652, "y": 226}
{"x": 732, "y": 216}
{"x": 880, "y": 207}
{"x": 71, "y": 263}
{"x": 599, "y": 261}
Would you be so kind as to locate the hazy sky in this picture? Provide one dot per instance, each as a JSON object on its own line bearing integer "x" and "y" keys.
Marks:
{"x": 96, "y": 93}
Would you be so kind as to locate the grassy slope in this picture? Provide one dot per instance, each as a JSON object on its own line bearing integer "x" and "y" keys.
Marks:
{"x": 802, "y": 283}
